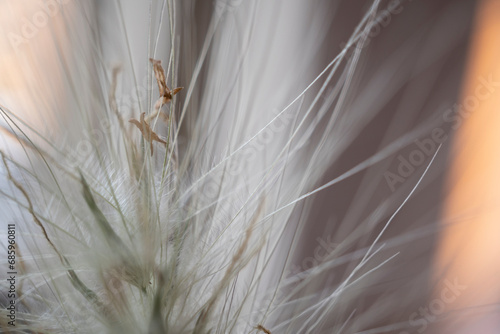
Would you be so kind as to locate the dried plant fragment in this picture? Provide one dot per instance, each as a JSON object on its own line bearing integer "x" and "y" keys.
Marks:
{"x": 166, "y": 94}
{"x": 147, "y": 132}
{"x": 263, "y": 329}
{"x": 112, "y": 96}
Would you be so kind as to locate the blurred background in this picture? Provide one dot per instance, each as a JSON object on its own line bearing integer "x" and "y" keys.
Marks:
{"x": 429, "y": 74}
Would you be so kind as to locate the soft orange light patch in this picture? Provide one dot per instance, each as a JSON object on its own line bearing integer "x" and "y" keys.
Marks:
{"x": 33, "y": 43}
{"x": 470, "y": 245}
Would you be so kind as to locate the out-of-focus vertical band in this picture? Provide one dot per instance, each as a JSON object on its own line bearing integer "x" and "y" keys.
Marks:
{"x": 469, "y": 253}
